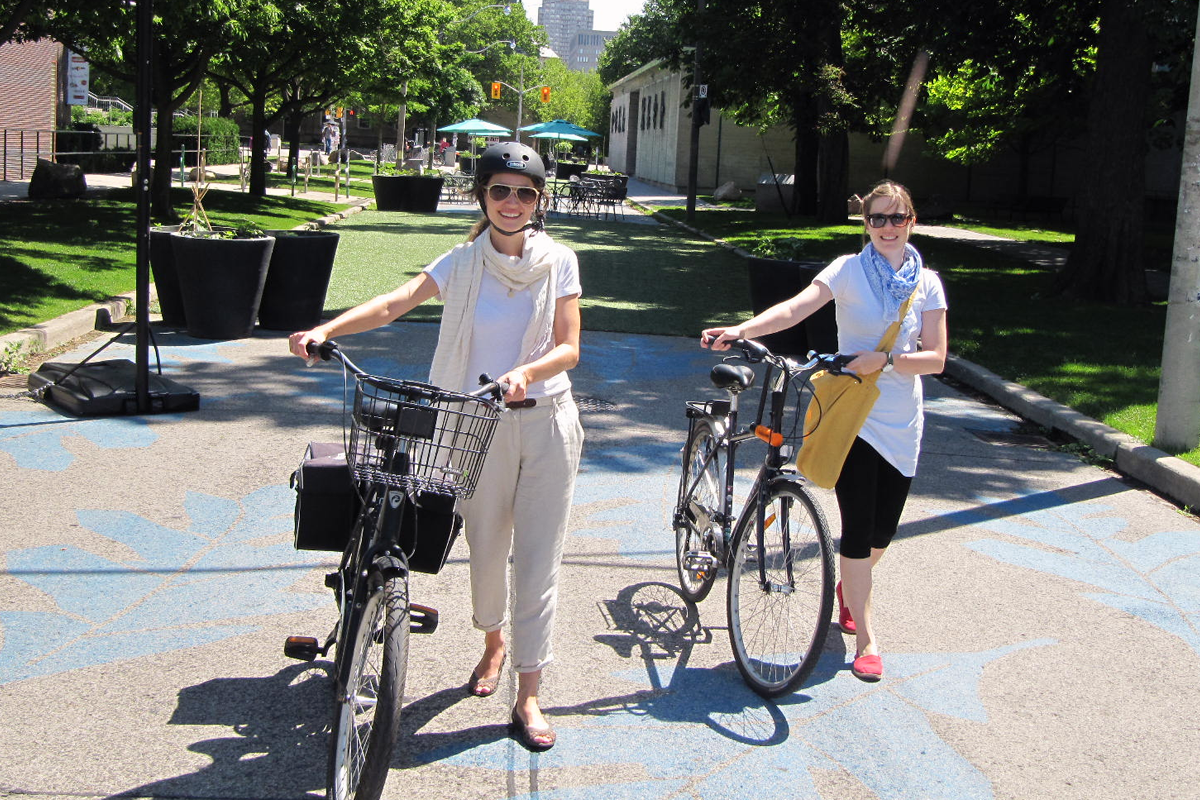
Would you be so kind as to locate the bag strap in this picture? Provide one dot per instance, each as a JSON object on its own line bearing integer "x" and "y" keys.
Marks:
{"x": 889, "y": 336}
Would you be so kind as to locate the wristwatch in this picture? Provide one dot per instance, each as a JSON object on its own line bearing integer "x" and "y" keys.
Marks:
{"x": 889, "y": 366}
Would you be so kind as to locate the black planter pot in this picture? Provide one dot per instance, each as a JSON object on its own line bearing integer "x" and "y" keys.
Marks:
{"x": 293, "y": 297}
{"x": 413, "y": 193}
{"x": 466, "y": 164}
{"x": 222, "y": 283}
{"x": 166, "y": 279}
{"x": 566, "y": 169}
{"x": 772, "y": 281}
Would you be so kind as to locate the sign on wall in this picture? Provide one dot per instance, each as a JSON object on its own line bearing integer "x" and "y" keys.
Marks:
{"x": 77, "y": 80}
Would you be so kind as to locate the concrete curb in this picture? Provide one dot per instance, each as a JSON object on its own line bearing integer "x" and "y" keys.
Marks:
{"x": 1170, "y": 476}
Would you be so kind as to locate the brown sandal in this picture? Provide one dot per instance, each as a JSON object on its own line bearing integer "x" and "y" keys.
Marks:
{"x": 485, "y": 687}
{"x": 536, "y": 739}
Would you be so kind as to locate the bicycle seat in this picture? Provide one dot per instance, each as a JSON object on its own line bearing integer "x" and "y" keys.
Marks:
{"x": 733, "y": 377}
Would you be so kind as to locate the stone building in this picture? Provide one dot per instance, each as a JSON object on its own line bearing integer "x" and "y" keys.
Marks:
{"x": 562, "y": 19}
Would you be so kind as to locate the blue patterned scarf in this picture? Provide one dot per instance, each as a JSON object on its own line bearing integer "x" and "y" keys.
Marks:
{"x": 891, "y": 286}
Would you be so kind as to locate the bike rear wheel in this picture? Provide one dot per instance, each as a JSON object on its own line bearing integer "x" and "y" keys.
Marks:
{"x": 696, "y": 515}
{"x": 367, "y": 717}
{"x": 778, "y": 627}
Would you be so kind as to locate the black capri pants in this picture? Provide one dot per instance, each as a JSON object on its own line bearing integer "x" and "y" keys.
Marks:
{"x": 871, "y": 494}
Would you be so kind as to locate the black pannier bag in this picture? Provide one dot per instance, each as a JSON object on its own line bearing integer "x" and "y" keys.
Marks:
{"x": 327, "y": 506}
{"x": 326, "y": 503}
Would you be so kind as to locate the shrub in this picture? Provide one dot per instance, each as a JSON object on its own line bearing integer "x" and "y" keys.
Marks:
{"x": 219, "y": 136}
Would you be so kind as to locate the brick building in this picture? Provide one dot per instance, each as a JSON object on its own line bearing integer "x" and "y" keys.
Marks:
{"x": 31, "y": 103}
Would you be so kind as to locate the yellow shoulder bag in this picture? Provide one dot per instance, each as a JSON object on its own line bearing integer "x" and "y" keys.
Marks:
{"x": 836, "y": 412}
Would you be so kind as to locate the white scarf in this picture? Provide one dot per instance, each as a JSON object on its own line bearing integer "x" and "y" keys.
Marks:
{"x": 534, "y": 270}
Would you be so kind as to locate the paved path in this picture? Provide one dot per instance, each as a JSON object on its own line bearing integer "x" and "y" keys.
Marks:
{"x": 1040, "y": 617}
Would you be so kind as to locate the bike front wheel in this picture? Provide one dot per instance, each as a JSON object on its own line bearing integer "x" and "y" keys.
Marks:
{"x": 367, "y": 716}
{"x": 780, "y": 591}
{"x": 696, "y": 516}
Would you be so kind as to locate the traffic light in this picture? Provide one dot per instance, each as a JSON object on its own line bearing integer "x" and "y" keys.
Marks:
{"x": 339, "y": 112}
{"x": 545, "y": 94}
{"x": 495, "y": 90}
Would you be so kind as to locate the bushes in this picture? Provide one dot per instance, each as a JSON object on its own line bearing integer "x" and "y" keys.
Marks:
{"x": 219, "y": 136}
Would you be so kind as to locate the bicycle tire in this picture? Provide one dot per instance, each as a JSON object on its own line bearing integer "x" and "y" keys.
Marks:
{"x": 708, "y": 495}
{"x": 777, "y": 633}
{"x": 366, "y": 719}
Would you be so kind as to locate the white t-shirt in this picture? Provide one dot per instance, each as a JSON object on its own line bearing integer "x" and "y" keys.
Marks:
{"x": 896, "y": 421}
{"x": 501, "y": 320}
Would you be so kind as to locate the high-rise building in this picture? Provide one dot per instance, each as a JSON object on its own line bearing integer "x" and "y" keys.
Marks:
{"x": 586, "y": 48}
{"x": 562, "y": 19}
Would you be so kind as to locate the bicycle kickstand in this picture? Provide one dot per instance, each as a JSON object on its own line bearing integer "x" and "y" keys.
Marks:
{"x": 422, "y": 619}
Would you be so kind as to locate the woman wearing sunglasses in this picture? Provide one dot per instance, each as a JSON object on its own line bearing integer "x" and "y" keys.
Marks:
{"x": 511, "y": 307}
{"x": 868, "y": 290}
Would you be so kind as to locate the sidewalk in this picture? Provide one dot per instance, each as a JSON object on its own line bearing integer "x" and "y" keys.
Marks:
{"x": 149, "y": 581}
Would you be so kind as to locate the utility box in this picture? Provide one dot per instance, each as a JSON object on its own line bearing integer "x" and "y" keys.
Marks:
{"x": 773, "y": 192}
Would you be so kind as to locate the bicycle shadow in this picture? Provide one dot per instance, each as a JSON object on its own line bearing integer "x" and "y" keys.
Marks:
{"x": 657, "y": 625}
{"x": 281, "y": 733}
{"x": 416, "y": 749}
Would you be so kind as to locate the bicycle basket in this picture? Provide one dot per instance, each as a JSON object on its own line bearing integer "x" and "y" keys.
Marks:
{"x": 415, "y": 436}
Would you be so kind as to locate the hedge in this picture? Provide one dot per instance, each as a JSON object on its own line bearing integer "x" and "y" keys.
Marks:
{"x": 220, "y": 137}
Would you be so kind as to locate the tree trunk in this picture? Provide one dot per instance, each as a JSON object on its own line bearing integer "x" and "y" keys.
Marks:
{"x": 258, "y": 148}
{"x": 1106, "y": 264}
{"x": 291, "y": 132}
{"x": 1177, "y": 426}
{"x": 834, "y": 178}
{"x": 804, "y": 186}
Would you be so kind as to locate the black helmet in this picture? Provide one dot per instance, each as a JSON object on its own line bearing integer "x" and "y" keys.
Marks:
{"x": 513, "y": 157}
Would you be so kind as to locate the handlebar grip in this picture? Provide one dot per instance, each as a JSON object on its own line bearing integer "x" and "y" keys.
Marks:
{"x": 324, "y": 350}
{"x": 495, "y": 389}
{"x": 753, "y": 350}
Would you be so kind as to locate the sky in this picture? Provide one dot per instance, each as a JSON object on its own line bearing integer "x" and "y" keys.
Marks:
{"x": 609, "y": 13}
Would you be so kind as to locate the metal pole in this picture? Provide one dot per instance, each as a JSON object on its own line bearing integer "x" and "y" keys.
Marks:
{"x": 145, "y": 39}
{"x": 520, "y": 100}
{"x": 694, "y": 155}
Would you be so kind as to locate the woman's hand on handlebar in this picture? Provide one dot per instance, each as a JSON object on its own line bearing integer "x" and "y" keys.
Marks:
{"x": 719, "y": 338}
{"x": 518, "y": 384}
{"x": 299, "y": 342}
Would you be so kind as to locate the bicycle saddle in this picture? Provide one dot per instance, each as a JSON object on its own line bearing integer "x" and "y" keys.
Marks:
{"x": 733, "y": 377}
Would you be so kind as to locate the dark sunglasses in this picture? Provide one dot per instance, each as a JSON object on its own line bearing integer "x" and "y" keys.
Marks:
{"x": 879, "y": 220}
{"x": 499, "y": 192}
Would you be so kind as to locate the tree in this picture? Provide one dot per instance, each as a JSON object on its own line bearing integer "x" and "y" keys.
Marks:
{"x": 1106, "y": 263}
{"x": 186, "y": 33}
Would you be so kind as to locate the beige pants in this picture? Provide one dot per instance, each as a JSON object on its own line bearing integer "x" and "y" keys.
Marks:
{"x": 520, "y": 507}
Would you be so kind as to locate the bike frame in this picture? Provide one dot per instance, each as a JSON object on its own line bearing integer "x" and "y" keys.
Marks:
{"x": 775, "y": 387}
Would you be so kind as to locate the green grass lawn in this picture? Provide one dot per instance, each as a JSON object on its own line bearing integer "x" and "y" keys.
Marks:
{"x": 62, "y": 255}
{"x": 1100, "y": 360}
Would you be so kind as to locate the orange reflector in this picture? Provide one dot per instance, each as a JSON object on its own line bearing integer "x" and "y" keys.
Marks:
{"x": 769, "y": 436}
{"x": 769, "y": 521}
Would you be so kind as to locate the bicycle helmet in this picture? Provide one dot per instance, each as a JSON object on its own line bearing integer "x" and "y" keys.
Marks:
{"x": 516, "y": 159}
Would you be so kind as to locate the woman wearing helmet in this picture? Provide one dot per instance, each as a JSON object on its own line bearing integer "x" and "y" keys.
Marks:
{"x": 511, "y": 297}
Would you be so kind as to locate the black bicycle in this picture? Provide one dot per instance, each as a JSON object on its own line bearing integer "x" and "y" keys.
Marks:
{"x": 413, "y": 451}
{"x": 777, "y": 551}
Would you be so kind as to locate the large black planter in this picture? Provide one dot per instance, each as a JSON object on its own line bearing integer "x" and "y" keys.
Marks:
{"x": 466, "y": 164}
{"x": 293, "y": 296}
{"x": 222, "y": 282}
{"x": 772, "y": 281}
{"x": 413, "y": 193}
{"x": 565, "y": 169}
{"x": 166, "y": 280}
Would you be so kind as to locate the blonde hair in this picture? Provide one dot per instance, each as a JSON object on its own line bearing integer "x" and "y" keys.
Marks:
{"x": 886, "y": 190}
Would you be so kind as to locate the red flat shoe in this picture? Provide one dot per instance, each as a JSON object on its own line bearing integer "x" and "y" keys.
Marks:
{"x": 845, "y": 621}
{"x": 485, "y": 687}
{"x": 867, "y": 668}
{"x": 535, "y": 739}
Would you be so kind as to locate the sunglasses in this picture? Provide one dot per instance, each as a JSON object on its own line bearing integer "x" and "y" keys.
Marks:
{"x": 499, "y": 192}
{"x": 879, "y": 220}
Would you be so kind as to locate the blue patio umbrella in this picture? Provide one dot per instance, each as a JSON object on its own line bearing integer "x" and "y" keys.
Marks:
{"x": 559, "y": 126}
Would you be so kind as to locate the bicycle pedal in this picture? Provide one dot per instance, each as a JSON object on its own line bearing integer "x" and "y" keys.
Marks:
{"x": 700, "y": 562}
{"x": 302, "y": 648}
{"x": 332, "y": 580}
{"x": 422, "y": 619}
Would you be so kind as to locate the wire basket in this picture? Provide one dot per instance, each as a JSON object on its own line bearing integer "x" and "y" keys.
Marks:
{"x": 415, "y": 436}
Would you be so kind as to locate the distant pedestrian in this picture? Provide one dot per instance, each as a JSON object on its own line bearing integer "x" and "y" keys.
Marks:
{"x": 329, "y": 137}
{"x": 869, "y": 290}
